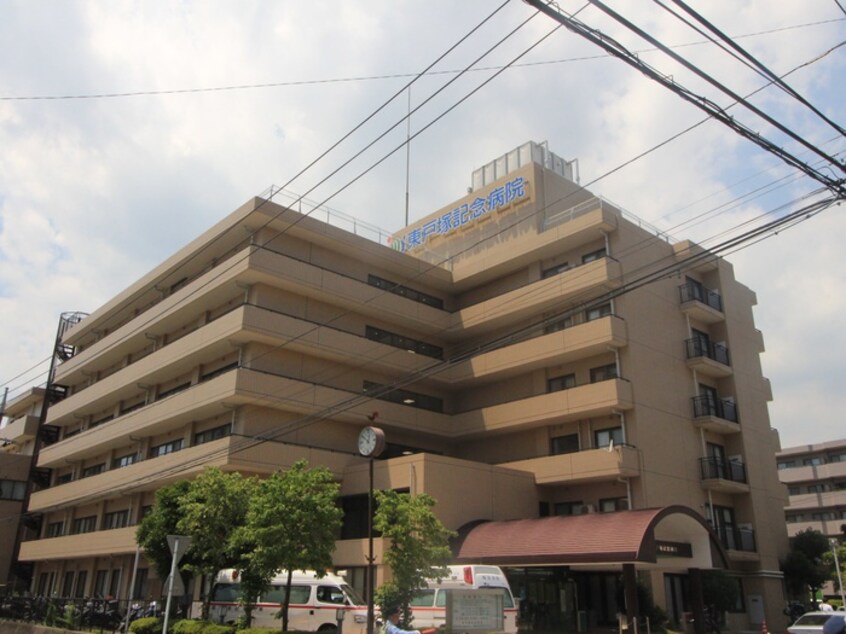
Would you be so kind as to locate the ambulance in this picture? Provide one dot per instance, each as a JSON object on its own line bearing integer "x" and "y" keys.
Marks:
{"x": 313, "y": 606}
{"x": 429, "y": 604}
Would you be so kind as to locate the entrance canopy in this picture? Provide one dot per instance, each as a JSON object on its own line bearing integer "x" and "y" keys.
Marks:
{"x": 673, "y": 537}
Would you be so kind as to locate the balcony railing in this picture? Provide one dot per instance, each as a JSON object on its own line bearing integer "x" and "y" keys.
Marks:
{"x": 721, "y": 469}
{"x": 720, "y": 408}
{"x": 695, "y": 292}
{"x": 698, "y": 347}
{"x": 733, "y": 538}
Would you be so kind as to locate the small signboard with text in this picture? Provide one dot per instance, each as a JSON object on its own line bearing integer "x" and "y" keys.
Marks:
{"x": 475, "y": 610}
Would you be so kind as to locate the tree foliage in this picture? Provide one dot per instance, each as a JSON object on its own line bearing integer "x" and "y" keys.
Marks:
{"x": 162, "y": 521}
{"x": 213, "y": 508}
{"x": 720, "y": 591}
{"x": 805, "y": 568}
{"x": 418, "y": 546}
{"x": 292, "y": 523}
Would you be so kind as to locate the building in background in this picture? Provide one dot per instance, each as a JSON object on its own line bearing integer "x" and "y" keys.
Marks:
{"x": 815, "y": 476}
{"x": 18, "y": 433}
{"x": 543, "y": 364}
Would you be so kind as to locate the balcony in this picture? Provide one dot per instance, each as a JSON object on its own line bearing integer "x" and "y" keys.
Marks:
{"x": 585, "y": 401}
{"x": 120, "y": 541}
{"x": 719, "y": 474}
{"x": 526, "y": 302}
{"x": 562, "y": 346}
{"x": 719, "y": 415}
{"x": 701, "y": 303}
{"x": 231, "y": 452}
{"x": 711, "y": 359}
{"x": 590, "y": 465}
{"x": 21, "y": 430}
{"x": 740, "y": 542}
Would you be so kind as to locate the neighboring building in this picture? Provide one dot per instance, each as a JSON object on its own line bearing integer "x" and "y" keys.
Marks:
{"x": 17, "y": 447}
{"x": 522, "y": 370}
{"x": 815, "y": 476}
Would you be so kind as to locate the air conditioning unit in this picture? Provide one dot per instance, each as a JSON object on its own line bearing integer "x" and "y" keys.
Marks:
{"x": 588, "y": 508}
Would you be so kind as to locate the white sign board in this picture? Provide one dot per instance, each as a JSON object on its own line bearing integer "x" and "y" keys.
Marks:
{"x": 475, "y": 610}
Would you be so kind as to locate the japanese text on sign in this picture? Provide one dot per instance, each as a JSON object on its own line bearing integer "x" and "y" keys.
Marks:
{"x": 497, "y": 198}
{"x": 475, "y": 610}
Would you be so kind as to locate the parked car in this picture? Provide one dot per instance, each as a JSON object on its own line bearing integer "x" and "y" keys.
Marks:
{"x": 812, "y": 622}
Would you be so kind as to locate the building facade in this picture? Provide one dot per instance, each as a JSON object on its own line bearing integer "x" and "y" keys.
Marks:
{"x": 531, "y": 351}
{"x": 815, "y": 476}
{"x": 18, "y": 435}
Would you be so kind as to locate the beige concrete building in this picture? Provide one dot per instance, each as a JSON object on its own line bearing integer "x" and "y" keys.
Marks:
{"x": 18, "y": 434}
{"x": 531, "y": 350}
{"x": 815, "y": 476}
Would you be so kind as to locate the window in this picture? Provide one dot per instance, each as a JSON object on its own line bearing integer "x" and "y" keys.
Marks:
{"x": 55, "y": 529}
{"x": 561, "y": 324}
{"x": 166, "y": 448}
{"x": 555, "y": 270}
{"x": 787, "y": 464}
{"x": 175, "y": 389}
{"x": 405, "y": 343}
{"x": 594, "y": 255}
{"x": 814, "y": 461}
{"x": 276, "y": 594}
{"x": 603, "y": 373}
{"x": 598, "y": 311}
{"x": 100, "y": 421}
{"x": 81, "y": 578}
{"x": 330, "y": 594}
{"x": 12, "y": 490}
{"x": 67, "y": 584}
{"x": 559, "y": 383}
{"x": 212, "y": 434}
{"x": 133, "y": 407}
{"x": 84, "y": 524}
{"x": 404, "y": 397}
{"x": 208, "y": 376}
{"x": 838, "y": 457}
{"x": 124, "y": 461}
{"x": 114, "y": 586}
{"x": 609, "y": 505}
{"x": 404, "y": 291}
{"x": 115, "y": 519}
{"x": 815, "y": 488}
{"x": 423, "y": 598}
{"x": 794, "y": 490}
{"x": 604, "y": 437}
{"x": 70, "y": 433}
{"x": 564, "y": 444}
{"x": 93, "y": 470}
{"x": 569, "y": 508}
{"x": 100, "y": 583}
{"x": 64, "y": 478}
{"x": 141, "y": 587}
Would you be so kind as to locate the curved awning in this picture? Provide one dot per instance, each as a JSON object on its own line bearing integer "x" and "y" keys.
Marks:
{"x": 669, "y": 537}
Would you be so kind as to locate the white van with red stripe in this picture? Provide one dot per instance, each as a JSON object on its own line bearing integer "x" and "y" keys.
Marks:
{"x": 429, "y": 604}
{"x": 313, "y": 606}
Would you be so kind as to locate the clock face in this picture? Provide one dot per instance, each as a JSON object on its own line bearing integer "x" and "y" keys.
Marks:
{"x": 371, "y": 441}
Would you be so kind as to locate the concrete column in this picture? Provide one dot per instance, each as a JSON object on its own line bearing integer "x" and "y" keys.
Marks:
{"x": 630, "y": 589}
{"x": 697, "y": 603}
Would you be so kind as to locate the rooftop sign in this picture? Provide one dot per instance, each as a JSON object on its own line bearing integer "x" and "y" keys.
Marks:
{"x": 498, "y": 198}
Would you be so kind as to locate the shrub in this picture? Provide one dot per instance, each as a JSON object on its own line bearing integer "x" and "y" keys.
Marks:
{"x": 146, "y": 625}
{"x": 195, "y": 626}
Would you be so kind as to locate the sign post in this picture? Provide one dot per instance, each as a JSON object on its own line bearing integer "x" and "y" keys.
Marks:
{"x": 179, "y": 545}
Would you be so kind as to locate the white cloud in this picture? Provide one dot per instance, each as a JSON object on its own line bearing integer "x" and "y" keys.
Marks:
{"x": 87, "y": 185}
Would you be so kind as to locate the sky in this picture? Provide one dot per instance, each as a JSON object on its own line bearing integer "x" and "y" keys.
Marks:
{"x": 127, "y": 128}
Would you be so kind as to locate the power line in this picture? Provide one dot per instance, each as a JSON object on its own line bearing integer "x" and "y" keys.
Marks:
{"x": 361, "y": 78}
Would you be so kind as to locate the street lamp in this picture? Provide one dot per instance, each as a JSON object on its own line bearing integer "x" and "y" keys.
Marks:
{"x": 834, "y": 546}
{"x": 371, "y": 443}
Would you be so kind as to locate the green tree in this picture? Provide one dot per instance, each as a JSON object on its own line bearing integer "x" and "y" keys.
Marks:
{"x": 162, "y": 521}
{"x": 805, "y": 567}
{"x": 828, "y": 558}
{"x": 291, "y": 524}
{"x": 418, "y": 546}
{"x": 212, "y": 509}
